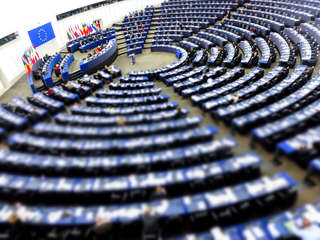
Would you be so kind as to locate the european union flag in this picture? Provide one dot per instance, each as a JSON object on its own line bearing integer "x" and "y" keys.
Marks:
{"x": 41, "y": 35}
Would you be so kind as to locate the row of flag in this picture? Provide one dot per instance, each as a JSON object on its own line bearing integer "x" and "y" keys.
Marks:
{"x": 30, "y": 57}
{"x": 83, "y": 30}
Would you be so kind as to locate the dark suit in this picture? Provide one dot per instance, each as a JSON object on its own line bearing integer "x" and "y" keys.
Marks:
{"x": 151, "y": 228}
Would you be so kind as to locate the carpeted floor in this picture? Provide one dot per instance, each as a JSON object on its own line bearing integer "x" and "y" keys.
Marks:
{"x": 150, "y": 60}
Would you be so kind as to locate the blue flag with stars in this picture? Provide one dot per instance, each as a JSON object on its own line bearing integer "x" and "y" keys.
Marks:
{"x": 41, "y": 35}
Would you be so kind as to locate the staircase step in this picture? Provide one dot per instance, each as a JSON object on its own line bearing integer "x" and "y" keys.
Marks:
{"x": 119, "y": 43}
{"x": 124, "y": 47}
{"x": 122, "y": 53}
{"x": 76, "y": 75}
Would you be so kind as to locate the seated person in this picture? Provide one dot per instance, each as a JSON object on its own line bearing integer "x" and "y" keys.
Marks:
{"x": 151, "y": 228}
{"x": 102, "y": 229}
{"x": 121, "y": 120}
{"x": 159, "y": 192}
{"x": 99, "y": 49}
{"x": 57, "y": 70}
{"x": 305, "y": 227}
{"x": 235, "y": 97}
{"x": 109, "y": 69}
{"x": 203, "y": 76}
{"x": 17, "y": 229}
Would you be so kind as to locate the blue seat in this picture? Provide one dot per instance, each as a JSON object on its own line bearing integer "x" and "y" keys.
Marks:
{"x": 241, "y": 31}
{"x": 270, "y": 133}
{"x": 63, "y": 95}
{"x": 113, "y": 120}
{"x": 129, "y": 86}
{"x": 283, "y": 48}
{"x": 113, "y": 111}
{"x": 91, "y": 82}
{"x": 239, "y": 22}
{"x": 174, "y": 72}
{"x": 252, "y": 76}
{"x": 186, "y": 206}
{"x": 78, "y": 190}
{"x": 10, "y": 120}
{"x": 129, "y": 79}
{"x": 307, "y": 55}
{"x": 52, "y": 129}
{"x": 200, "y": 58}
{"x": 96, "y": 61}
{"x": 247, "y": 56}
{"x": 118, "y": 164}
{"x": 313, "y": 167}
{"x": 232, "y": 55}
{"x": 267, "y": 53}
{"x": 128, "y": 93}
{"x": 211, "y": 84}
{"x": 192, "y": 82}
{"x": 301, "y": 147}
{"x": 287, "y": 85}
{"x": 311, "y": 30}
{"x": 213, "y": 38}
{"x": 47, "y": 68}
{"x": 274, "y": 25}
{"x": 26, "y": 141}
{"x": 65, "y": 64}
{"x": 290, "y": 21}
{"x": 126, "y": 101}
{"x": 216, "y": 56}
{"x": 273, "y": 76}
{"x": 36, "y": 113}
{"x": 282, "y": 225}
{"x": 93, "y": 44}
{"x": 189, "y": 45}
{"x": 75, "y": 87}
{"x": 135, "y": 50}
{"x": 204, "y": 43}
{"x": 178, "y": 78}
{"x": 274, "y": 110}
{"x": 103, "y": 75}
{"x": 264, "y": 6}
{"x": 48, "y": 103}
{"x": 235, "y": 38}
